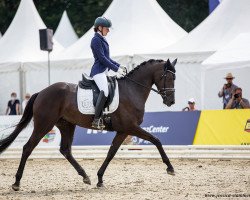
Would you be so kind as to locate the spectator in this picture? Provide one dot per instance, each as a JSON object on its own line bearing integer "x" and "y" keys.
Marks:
{"x": 237, "y": 102}
{"x": 191, "y": 105}
{"x": 13, "y": 107}
{"x": 25, "y": 101}
{"x": 227, "y": 89}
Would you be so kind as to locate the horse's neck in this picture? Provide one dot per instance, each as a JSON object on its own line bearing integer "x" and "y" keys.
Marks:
{"x": 144, "y": 82}
{"x": 143, "y": 77}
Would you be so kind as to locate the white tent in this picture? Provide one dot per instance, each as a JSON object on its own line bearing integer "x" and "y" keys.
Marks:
{"x": 235, "y": 53}
{"x": 233, "y": 57}
{"x": 228, "y": 20}
{"x": 65, "y": 33}
{"x": 20, "y": 44}
{"x": 139, "y": 26}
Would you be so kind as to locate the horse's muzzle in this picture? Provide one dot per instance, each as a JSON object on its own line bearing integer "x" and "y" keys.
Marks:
{"x": 169, "y": 100}
{"x": 169, "y": 103}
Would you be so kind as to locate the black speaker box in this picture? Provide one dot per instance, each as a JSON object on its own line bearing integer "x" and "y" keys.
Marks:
{"x": 46, "y": 42}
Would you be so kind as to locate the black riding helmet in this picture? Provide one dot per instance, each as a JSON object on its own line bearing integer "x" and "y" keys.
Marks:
{"x": 102, "y": 21}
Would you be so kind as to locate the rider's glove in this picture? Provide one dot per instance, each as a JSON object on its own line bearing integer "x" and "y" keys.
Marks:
{"x": 121, "y": 71}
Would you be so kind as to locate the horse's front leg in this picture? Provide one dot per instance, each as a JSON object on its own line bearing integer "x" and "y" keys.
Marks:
{"x": 116, "y": 143}
{"x": 141, "y": 133}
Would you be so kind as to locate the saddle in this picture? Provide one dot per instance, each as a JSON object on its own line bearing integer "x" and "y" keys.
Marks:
{"x": 88, "y": 83}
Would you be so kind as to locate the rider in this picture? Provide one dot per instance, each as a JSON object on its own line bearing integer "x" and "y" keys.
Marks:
{"x": 102, "y": 64}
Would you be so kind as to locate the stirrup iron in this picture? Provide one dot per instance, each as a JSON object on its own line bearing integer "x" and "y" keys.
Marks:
{"x": 98, "y": 123}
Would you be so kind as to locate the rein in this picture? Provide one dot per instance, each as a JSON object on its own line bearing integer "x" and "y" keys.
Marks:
{"x": 142, "y": 84}
{"x": 150, "y": 88}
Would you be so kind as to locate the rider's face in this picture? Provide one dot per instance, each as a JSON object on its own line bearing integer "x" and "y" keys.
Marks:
{"x": 105, "y": 31}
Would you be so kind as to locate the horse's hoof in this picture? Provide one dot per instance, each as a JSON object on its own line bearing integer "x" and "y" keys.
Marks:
{"x": 15, "y": 187}
{"x": 99, "y": 185}
{"x": 87, "y": 181}
{"x": 170, "y": 171}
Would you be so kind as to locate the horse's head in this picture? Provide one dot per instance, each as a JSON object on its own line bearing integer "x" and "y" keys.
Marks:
{"x": 164, "y": 79}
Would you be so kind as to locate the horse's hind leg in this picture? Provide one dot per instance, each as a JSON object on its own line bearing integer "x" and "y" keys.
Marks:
{"x": 139, "y": 132}
{"x": 67, "y": 131}
{"x": 116, "y": 143}
{"x": 35, "y": 138}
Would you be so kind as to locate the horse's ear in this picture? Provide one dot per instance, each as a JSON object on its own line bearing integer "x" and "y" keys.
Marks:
{"x": 168, "y": 62}
{"x": 167, "y": 65}
{"x": 174, "y": 62}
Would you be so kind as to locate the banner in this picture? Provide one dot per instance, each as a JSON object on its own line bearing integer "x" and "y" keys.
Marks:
{"x": 172, "y": 128}
{"x": 217, "y": 127}
{"x": 85, "y": 136}
{"x": 53, "y": 138}
{"x": 224, "y": 127}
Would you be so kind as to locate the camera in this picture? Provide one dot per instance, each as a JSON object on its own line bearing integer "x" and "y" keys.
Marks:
{"x": 228, "y": 85}
{"x": 236, "y": 96}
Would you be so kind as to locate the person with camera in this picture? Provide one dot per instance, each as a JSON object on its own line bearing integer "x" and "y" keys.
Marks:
{"x": 237, "y": 102}
{"x": 227, "y": 89}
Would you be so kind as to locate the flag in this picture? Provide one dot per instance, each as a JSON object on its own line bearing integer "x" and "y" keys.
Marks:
{"x": 213, "y": 4}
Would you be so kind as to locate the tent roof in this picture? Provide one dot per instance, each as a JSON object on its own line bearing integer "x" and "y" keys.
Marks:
{"x": 65, "y": 33}
{"x": 234, "y": 53}
{"x": 21, "y": 42}
{"x": 228, "y": 20}
{"x": 140, "y": 26}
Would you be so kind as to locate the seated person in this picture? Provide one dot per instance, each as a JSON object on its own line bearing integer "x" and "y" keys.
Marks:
{"x": 191, "y": 105}
{"x": 237, "y": 102}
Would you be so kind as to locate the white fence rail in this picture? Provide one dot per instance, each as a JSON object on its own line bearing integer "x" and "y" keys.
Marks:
{"x": 138, "y": 151}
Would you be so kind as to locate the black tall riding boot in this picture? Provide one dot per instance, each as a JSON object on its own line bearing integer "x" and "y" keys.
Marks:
{"x": 98, "y": 122}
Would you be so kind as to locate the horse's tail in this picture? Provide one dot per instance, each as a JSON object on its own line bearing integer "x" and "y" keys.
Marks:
{"x": 27, "y": 116}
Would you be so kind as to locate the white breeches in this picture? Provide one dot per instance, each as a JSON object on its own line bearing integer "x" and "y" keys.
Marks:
{"x": 102, "y": 83}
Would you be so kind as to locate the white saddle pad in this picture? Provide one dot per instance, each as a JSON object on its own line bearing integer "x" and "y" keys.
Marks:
{"x": 85, "y": 101}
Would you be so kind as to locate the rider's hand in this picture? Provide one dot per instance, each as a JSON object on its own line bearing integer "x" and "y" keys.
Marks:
{"x": 122, "y": 71}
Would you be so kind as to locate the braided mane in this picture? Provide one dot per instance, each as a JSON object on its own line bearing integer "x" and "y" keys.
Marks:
{"x": 142, "y": 64}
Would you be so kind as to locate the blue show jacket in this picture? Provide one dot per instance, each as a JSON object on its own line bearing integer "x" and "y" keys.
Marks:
{"x": 100, "y": 49}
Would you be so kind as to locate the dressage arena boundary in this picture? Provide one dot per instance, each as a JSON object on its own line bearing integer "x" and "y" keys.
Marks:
{"x": 138, "y": 152}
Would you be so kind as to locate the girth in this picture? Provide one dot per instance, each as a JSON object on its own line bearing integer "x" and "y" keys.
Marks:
{"x": 88, "y": 83}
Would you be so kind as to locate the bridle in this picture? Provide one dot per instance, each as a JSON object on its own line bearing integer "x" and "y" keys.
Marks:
{"x": 163, "y": 91}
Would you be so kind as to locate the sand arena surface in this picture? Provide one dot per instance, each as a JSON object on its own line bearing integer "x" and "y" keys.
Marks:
{"x": 127, "y": 179}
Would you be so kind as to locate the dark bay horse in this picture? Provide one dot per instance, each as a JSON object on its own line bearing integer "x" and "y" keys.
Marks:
{"x": 56, "y": 105}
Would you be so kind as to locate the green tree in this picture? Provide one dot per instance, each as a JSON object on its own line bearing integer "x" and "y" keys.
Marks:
{"x": 187, "y": 13}
{"x": 8, "y": 9}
